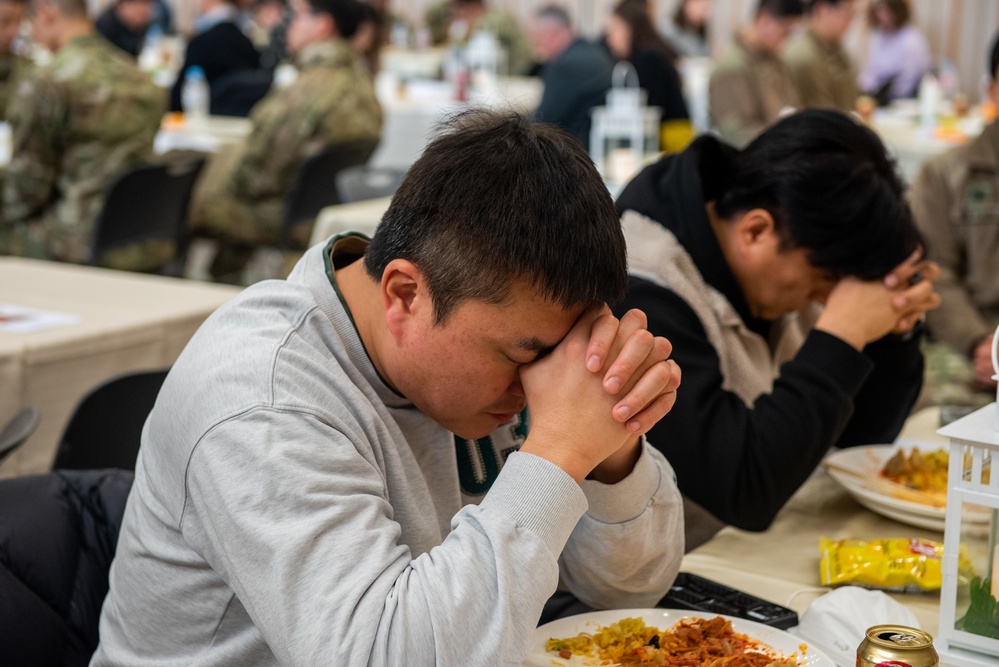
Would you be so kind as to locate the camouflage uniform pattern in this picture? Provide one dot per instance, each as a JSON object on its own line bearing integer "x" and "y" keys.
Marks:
{"x": 948, "y": 379}
{"x": 506, "y": 28}
{"x": 955, "y": 202}
{"x": 332, "y": 102}
{"x": 12, "y": 68}
{"x": 497, "y": 21}
{"x": 75, "y": 125}
{"x": 823, "y": 72}
{"x": 747, "y": 91}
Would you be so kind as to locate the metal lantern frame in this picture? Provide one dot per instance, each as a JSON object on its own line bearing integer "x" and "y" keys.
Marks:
{"x": 974, "y": 445}
{"x": 625, "y": 117}
{"x": 484, "y": 53}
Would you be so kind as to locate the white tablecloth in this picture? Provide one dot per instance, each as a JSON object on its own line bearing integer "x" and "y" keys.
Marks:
{"x": 126, "y": 322}
{"x": 782, "y": 563}
{"x": 362, "y": 216}
{"x": 912, "y": 144}
{"x": 413, "y": 110}
{"x": 207, "y": 135}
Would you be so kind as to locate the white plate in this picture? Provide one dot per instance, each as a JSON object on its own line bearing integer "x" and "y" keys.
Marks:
{"x": 782, "y": 642}
{"x": 867, "y": 462}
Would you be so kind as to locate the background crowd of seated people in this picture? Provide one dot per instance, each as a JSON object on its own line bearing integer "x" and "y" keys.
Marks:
{"x": 89, "y": 114}
{"x": 49, "y": 204}
{"x": 795, "y": 312}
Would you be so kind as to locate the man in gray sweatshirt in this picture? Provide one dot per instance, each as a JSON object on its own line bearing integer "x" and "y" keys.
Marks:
{"x": 339, "y": 469}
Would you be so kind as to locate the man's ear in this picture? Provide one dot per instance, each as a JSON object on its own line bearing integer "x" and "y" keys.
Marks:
{"x": 756, "y": 226}
{"x": 754, "y": 240}
{"x": 404, "y": 295}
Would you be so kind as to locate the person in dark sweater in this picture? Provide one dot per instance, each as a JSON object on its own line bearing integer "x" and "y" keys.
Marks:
{"x": 632, "y": 37}
{"x": 125, "y": 23}
{"x": 576, "y": 73}
{"x": 789, "y": 279}
{"x": 219, "y": 48}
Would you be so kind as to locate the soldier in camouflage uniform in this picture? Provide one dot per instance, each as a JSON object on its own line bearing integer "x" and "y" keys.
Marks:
{"x": 478, "y": 16}
{"x": 12, "y": 65}
{"x": 750, "y": 84}
{"x": 76, "y": 124}
{"x": 332, "y": 102}
{"x": 955, "y": 201}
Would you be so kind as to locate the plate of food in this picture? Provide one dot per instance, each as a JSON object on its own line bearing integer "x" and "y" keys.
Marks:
{"x": 905, "y": 481}
{"x": 655, "y": 637}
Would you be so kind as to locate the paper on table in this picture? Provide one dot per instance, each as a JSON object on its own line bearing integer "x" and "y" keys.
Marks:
{"x": 22, "y": 319}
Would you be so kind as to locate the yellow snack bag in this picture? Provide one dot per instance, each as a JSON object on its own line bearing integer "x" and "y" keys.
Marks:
{"x": 899, "y": 564}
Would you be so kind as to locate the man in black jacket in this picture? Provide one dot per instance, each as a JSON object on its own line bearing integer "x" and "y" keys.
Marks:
{"x": 220, "y": 47}
{"x": 789, "y": 279}
{"x": 576, "y": 73}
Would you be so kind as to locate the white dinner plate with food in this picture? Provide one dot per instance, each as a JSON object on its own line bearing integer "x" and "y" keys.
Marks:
{"x": 783, "y": 644}
{"x": 858, "y": 470}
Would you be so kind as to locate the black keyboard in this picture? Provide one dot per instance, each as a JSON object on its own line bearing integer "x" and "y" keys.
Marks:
{"x": 690, "y": 591}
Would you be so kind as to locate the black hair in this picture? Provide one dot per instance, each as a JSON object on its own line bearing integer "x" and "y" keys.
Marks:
{"x": 831, "y": 188}
{"x": 994, "y": 57}
{"x": 781, "y": 8}
{"x": 681, "y": 21}
{"x": 346, "y": 14}
{"x": 72, "y": 8}
{"x": 899, "y": 9}
{"x": 498, "y": 198}
{"x": 810, "y": 5}
{"x": 644, "y": 36}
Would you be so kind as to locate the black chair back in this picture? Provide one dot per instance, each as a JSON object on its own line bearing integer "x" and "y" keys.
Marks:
{"x": 314, "y": 188}
{"x": 146, "y": 203}
{"x": 18, "y": 429}
{"x": 106, "y": 426}
{"x": 361, "y": 182}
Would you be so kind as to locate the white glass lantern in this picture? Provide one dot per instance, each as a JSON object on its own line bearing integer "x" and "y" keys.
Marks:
{"x": 969, "y": 595}
{"x": 484, "y": 56}
{"x": 625, "y": 129}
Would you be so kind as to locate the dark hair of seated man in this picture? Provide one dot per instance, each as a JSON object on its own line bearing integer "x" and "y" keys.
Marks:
{"x": 481, "y": 208}
{"x": 823, "y": 176}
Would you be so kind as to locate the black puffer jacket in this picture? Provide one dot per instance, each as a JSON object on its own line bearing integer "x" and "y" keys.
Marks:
{"x": 58, "y": 534}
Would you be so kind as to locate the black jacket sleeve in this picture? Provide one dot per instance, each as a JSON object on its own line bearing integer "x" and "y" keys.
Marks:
{"x": 886, "y": 398}
{"x": 742, "y": 463}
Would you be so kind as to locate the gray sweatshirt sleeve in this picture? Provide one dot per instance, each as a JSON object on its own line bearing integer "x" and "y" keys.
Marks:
{"x": 626, "y": 550}
{"x": 309, "y": 543}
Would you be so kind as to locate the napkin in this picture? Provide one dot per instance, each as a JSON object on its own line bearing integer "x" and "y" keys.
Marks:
{"x": 837, "y": 622}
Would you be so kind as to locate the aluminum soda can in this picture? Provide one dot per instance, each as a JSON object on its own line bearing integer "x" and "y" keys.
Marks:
{"x": 897, "y": 646}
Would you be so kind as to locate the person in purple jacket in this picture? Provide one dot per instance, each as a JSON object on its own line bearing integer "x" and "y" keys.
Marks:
{"x": 898, "y": 55}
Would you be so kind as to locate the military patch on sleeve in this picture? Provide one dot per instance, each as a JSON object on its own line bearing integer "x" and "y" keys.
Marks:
{"x": 979, "y": 204}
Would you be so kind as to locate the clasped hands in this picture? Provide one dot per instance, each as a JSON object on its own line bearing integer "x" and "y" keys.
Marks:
{"x": 607, "y": 383}
{"x": 861, "y": 312}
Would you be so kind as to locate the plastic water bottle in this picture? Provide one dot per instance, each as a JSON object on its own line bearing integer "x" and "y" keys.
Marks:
{"x": 194, "y": 95}
{"x": 929, "y": 102}
{"x": 151, "y": 56}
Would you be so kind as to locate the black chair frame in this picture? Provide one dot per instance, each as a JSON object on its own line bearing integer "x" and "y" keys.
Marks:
{"x": 314, "y": 188}
{"x": 149, "y": 202}
{"x": 106, "y": 426}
